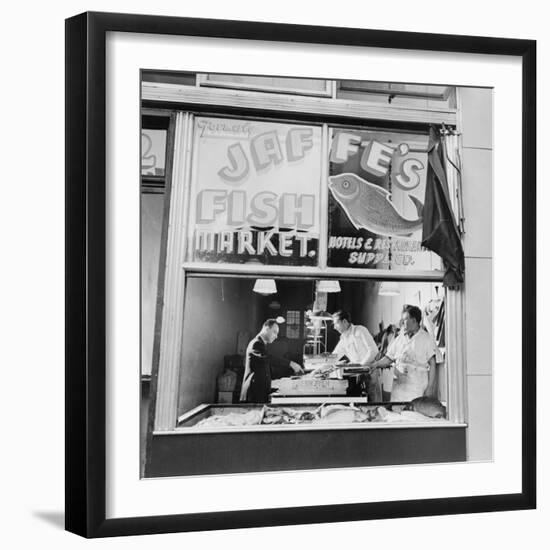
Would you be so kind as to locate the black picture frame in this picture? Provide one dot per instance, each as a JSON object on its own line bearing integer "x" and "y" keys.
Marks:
{"x": 86, "y": 269}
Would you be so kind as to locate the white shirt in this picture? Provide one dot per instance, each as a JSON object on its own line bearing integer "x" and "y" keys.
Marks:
{"x": 357, "y": 345}
{"x": 412, "y": 351}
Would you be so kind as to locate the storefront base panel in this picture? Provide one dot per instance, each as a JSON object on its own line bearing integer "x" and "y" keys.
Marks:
{"x": 238, "y": 452}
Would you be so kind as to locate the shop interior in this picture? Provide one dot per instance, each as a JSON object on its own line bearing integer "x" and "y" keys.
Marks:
{"x": 223, "y": 313}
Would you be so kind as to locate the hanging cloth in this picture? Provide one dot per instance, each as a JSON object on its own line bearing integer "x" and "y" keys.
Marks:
{"x": 439, "y": 230}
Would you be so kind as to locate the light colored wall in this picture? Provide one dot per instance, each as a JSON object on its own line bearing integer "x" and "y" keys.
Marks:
{"x": 215, "y": 310}
{"x": 476, "y": 127}
{"x": 388, "y": 309}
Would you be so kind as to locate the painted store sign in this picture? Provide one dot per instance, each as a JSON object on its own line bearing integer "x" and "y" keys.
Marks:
{"x": 376, "y": 184}
{"x": 255, "y": 192}
{"x": 256, "y": 188}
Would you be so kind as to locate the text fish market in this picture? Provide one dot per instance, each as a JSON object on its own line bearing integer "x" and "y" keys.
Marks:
{"x": 257, "y": 243}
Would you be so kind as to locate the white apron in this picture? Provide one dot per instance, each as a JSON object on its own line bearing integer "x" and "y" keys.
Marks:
{"x": 411, "y": 357}
{"x": 411, "y": 382}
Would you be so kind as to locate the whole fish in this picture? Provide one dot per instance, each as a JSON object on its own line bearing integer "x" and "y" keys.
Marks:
{"x": 428, "y": 406}
{"x": 339, "y": 414}
{"x": 369, "y": 206}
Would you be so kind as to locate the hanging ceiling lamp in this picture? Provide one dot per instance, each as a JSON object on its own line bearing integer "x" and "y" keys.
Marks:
{"x": 326, "y": 285}
{"x": 265, "y": 286}
{"x": 389, "y": 288}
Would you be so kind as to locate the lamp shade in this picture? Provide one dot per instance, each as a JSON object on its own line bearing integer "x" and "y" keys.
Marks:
{"x": 265, "y": 286}
{"x": 389, "y": 288}
{"x": 327, "y": 285}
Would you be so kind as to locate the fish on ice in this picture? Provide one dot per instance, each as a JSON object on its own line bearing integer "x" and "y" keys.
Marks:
{"x": 428, "y": 406}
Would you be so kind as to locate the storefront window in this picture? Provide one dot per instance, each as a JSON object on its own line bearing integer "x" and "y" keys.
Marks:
{"x": 222, "y": 313}
{"x": 293, "y": 248}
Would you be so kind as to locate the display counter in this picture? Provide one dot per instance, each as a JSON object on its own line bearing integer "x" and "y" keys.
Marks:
{"x": 325, "y": 381}
{"x": 255, "y": 438}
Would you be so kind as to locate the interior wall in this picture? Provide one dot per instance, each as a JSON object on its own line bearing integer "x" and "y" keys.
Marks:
{"x": 376, "y": 309}
{"x": 216, "y": 310}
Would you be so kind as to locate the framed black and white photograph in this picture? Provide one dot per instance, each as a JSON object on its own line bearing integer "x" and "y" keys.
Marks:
{"x": 301, "y": 269}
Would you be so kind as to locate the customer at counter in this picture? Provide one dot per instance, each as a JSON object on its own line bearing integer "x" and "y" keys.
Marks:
{"x": 358, "y": 345}
{"x": 413, "y": 352}
{"x": 260, "y": 368}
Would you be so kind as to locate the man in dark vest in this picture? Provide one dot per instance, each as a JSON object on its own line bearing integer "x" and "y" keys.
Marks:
{"x": 260, "y": 368}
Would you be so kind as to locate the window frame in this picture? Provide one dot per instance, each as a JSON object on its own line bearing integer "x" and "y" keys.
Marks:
{"x": 209, "y": 80}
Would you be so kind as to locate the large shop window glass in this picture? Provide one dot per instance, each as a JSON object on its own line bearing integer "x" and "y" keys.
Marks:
{"x": 223, "y": 317}
{"x": 255, "y": 192}
{"x": 377, "y": 182}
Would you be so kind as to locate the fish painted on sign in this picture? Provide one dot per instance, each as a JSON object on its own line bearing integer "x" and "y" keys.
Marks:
{"x": 369, "y": 206}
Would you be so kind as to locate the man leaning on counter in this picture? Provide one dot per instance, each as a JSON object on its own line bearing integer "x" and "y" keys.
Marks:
{"x": 260, "y": 367}
{"x": 357, "y": 344}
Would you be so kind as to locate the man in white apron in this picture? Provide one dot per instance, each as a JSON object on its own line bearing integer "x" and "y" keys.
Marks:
{"x": 413, "y": 354}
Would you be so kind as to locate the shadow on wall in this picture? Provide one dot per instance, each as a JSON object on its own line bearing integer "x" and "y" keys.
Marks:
{"x": 216, "y": 309}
